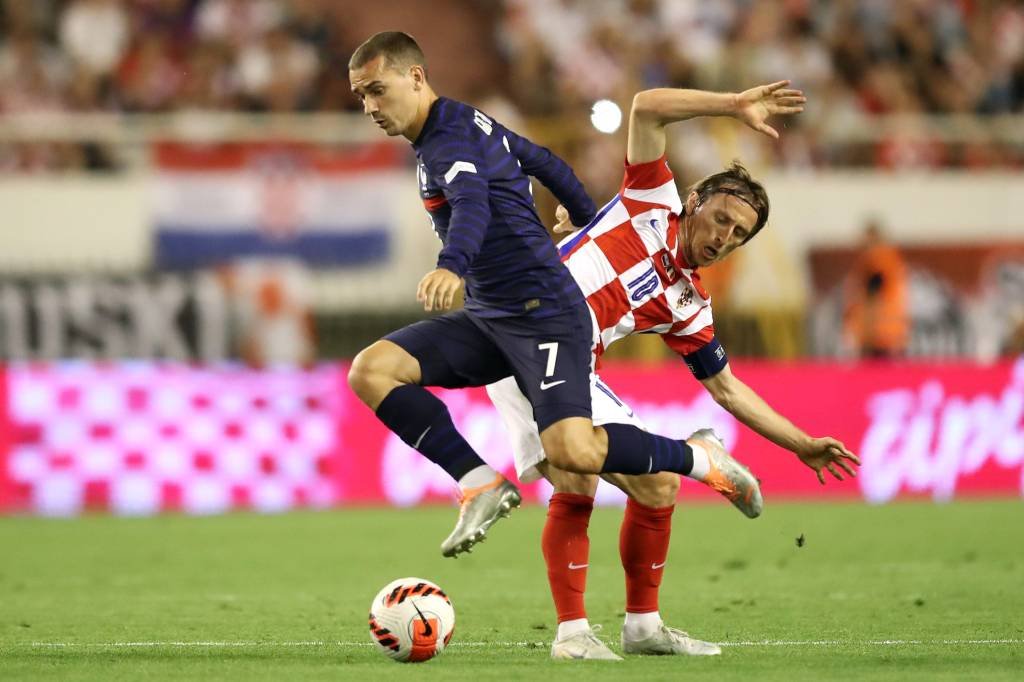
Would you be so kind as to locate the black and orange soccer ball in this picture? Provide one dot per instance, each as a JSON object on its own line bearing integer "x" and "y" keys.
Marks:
{"x": 411, "y": 620}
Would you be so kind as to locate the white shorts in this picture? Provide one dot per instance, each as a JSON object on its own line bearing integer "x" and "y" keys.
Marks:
{"x": 517, "y": 413}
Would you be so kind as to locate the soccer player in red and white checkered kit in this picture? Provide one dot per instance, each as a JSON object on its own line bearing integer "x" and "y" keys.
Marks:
{"x": 637, "y": 264}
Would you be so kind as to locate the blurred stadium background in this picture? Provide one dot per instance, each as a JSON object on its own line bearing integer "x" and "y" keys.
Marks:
{"x": 200, "y": 230}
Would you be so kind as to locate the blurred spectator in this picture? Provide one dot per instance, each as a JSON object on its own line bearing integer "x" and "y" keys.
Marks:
{"x": 25, "y": 56}
{"x": 151, "y": 74}
{"x": 19, "y": 16}
{"x": 309, "y": 22}
{"x": 237, "y": 22}
{"x": 209, "y": 85}
{"x": 95, "y": 33}
{"x": 876, "y": 319}
{"x": 277, "y": 72}
{"x": 270, "y": 301}
{"x": 172, "y": 18}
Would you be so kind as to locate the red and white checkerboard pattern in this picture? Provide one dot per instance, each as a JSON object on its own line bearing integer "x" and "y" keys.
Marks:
{"x": 628, "y": 266}
{"x": 140, "y": 438}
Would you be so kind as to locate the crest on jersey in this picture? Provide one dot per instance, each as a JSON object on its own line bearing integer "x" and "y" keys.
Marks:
{"x": 686, "y": 298}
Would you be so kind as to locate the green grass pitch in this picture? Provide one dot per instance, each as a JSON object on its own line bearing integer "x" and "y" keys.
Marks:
{"x": 909, "y": 591}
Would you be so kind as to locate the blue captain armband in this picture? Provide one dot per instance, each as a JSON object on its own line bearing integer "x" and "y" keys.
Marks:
{"x": 708, "y": 361}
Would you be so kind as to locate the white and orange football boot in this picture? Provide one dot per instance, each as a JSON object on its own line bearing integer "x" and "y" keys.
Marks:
{"x": 727, "y": 476}
{"x": 479, "y": 509}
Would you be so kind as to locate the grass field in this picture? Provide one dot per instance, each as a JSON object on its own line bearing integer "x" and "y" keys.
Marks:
{"x": 906, "y": 591}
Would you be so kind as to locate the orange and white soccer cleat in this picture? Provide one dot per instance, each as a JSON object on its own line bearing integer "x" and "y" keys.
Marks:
{"x": 727, "y": 476}
{"x": 479, "y": 509}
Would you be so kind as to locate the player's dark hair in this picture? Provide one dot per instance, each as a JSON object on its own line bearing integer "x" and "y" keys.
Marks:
{"x": 400, "y": 51}
{"x": 736, "y": 180}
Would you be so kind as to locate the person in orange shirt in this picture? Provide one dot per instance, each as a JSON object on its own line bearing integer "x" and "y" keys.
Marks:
{"x": 876, "y": 320}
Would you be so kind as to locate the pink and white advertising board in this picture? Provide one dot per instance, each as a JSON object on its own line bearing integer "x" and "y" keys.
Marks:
{"x": 146, "y": 437}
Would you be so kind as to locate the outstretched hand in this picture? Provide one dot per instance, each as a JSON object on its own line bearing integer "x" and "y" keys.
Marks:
{"x": 823, "y": 454}
{"x": 755, "y": 105}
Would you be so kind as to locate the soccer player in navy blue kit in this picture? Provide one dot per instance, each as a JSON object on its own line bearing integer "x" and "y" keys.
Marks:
{"x": 524, "y": 314}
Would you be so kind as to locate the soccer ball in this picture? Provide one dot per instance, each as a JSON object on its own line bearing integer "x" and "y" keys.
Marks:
{"x": 411, "y": 620}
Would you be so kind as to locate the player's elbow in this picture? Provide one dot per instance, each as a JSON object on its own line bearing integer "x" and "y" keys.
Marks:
{"x": 723, "y": 393}
{"x": 644, "y": 103}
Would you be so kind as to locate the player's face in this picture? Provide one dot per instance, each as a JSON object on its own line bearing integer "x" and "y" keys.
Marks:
{"x": 712, "y": 230}
{"x": 389, "y": 96}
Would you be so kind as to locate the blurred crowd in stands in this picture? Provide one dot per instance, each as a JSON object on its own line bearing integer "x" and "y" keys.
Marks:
{"x": 856, "y": 59}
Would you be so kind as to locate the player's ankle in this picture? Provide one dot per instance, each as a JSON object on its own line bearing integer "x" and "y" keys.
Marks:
{"x": 640, "y": 626}
{"x": 478, "y": 476}
{"x": 701, "y": 461}
{"x": 568, "y": 628}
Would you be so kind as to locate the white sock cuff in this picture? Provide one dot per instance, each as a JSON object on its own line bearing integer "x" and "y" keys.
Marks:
{"x": 568, "y": 628}
{"x": 701, "y": 462}
{"x": 641, "y": 625}
{"x": 481, "y": 475}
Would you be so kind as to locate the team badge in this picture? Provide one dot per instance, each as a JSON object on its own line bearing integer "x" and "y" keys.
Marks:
{"x": 686, "y": 298}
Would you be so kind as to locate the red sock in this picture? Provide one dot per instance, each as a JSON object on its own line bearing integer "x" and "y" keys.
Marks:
{"x": 566, "y": 550}
{"x": 643, "y": 546}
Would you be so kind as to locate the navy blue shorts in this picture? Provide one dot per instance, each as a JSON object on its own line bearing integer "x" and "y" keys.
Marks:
{"x": 550, "y": 357}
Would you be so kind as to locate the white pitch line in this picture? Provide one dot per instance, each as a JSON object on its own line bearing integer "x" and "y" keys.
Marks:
{"x": 510, "y": 645}
{"x": 872, "y": 642}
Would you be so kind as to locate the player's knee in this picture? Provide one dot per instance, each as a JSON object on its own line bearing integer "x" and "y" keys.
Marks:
{"x": 360, "y": 374}
{"x": 372, "y": 372}
{"x": 573, "y": 454}
{"x": 658, "y": 490}
{"x": 568, "y": 482}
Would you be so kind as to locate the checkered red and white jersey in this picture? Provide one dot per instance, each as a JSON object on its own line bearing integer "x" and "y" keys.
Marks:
{"x": 629, "y": 266}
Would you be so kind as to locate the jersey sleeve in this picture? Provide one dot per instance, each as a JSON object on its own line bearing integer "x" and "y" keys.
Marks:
{"x": 457, "y": 162}
{"x": 653, "y": 183}
{"x": 556, "y": 175}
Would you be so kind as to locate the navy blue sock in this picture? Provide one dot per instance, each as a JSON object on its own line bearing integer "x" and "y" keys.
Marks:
{"x": 634, "y": 451}
{"x": 423, "y": 421}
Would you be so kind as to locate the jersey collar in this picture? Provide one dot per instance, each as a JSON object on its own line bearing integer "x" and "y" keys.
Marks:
{"x": 675, "y": 246}
{"x": 435, "y": 111}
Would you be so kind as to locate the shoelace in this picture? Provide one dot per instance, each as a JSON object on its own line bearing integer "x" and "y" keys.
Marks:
{"x": 685, "y": 635}
{"x": 592, "y": 634}
{"x": 675, "y": 631}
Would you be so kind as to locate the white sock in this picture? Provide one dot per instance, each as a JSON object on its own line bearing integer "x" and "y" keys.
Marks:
{"x": 482, "y": 475}
{"x": 641, "y": 625}
{"x": 569, "y": 628}
{"x": 701, "y": 462}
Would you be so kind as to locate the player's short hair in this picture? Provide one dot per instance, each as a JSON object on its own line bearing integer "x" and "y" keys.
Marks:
{"x": 736, "y": 180}
{"x": 400, "y": 51}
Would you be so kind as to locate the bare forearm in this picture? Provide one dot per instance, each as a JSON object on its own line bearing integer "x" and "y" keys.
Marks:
{"x": 752, "y": 410}
{"x": 668, "y": 105}
{"x": 654, "y": 109}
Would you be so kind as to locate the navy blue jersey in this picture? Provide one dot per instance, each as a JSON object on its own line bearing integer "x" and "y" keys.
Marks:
{"x": 473, "y": 176}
